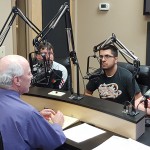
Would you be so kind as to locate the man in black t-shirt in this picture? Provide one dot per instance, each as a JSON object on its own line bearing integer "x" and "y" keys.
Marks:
{"x": 115, "y": 83}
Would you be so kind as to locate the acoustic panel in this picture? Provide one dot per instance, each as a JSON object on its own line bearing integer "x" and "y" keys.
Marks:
{"x": 148, "y": 45}
{"x": 57, "y": 36}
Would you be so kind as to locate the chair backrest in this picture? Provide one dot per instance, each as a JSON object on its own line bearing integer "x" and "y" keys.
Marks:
{"x": 1, "y": 142}
{"x": 143, "y": 78}
{"x": 66, "y": 62}
{"x": 31, "y": 58}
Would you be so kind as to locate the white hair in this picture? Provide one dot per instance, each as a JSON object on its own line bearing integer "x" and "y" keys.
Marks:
{"x": 6, "y": 76}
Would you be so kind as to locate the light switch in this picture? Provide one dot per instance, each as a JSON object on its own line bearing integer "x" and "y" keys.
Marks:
{"x": 2, "y": 51}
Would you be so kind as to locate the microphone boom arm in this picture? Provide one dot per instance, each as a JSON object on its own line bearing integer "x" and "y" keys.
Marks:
{"x": 10, "y": 19}
{"x": 64, "y": 10}
{"x": 122, "y": 49}
{"x": 51, "y": 25}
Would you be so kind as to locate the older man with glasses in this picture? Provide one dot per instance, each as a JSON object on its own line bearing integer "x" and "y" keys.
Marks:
{"x": 115, "y": 83}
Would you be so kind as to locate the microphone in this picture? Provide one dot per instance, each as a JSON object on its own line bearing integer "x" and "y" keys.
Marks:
{"x": 45, "y": 62}
{"x": 95, "y": 74}
{"x": 44, "y": 57}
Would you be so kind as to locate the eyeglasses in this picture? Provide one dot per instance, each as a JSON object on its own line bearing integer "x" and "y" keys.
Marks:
{"x": 105, "y": 56}
{"x": 46, "y": 53}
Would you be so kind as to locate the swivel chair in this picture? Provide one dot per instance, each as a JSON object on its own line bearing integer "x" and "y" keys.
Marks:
{"x": 1, "y": 142}
{"x": 143, "y": 77}
{"x": 66, "y": 62}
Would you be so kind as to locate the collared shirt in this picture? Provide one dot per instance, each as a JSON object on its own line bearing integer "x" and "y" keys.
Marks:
{"x": 23, "y": 128}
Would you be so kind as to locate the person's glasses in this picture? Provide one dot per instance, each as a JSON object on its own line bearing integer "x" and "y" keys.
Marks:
{"x": 46, "y": 53}
{"x": 105, "y": 56}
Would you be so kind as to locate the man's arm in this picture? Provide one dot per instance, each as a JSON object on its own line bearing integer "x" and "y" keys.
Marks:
{"x": 139, "y": 104}
{"x": 138, "y": 95}
{"x": 47, "y": 135}
{"x": 88, "y": 93}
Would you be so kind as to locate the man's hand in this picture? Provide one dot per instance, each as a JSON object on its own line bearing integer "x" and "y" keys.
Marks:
{"x": 47, "y": 113}
{"x": 58, "y": 118}
{"x": 51, "y": 115}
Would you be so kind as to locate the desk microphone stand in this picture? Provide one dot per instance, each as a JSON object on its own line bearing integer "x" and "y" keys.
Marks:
{"x": 74, "y": 60}
{"x": 73, "y": 55}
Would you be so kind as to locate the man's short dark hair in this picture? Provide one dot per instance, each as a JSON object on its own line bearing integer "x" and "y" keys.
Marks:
{"x": 113, "y": 49}
{"x": 44, "y": 45}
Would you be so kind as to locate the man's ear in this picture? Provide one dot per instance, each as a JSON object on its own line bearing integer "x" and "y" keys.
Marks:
{"x": 116, "y": 60}
{"x": 17, "y": 81}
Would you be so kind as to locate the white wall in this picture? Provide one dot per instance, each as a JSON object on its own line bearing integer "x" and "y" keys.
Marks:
{"x": 91, "y": 26}
{"x": 35, "y": 15}
{"x": 5, "y": 9}
{"x": 125, "y": 19}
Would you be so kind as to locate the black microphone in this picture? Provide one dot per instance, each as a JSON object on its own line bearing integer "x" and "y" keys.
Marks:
{"x": 94, "y": 74}
{"x": 91, "y": 76}
{"x": 45, "y": 62}
{"x": 44, "y": 57}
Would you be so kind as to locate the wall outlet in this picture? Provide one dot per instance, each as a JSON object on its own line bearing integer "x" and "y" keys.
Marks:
{"x": 2, "y": 51}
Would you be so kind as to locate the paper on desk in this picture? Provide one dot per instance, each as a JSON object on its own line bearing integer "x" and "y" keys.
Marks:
{"x": 118, "y": 143}
{"x": 137, "y": 145}
{"x": 82, "y": 132}
{"x": 68, "y": 121}
{"x": 56, "y": 93}
{"x": 115, "y": 142}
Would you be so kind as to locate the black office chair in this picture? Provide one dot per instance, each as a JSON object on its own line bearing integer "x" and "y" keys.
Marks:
{"x": 31, "y": 60}
{"x": 1, "y": 142}
{"x": 143, "y": 78}
{"x": 66, "y": 62}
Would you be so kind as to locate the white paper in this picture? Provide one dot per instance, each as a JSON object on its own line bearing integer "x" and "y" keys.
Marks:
{"x": 69, "y": 121}
{"x": 119, "y": 143}
{"x": 114, "y": 142}
{"x": 56, "y": 93}
{"x": 137, "y": 145}
{"x": 82, "y": 132}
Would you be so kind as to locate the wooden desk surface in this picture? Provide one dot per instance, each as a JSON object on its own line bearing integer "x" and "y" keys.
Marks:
{"x": 90, "y": 102}
{"x": 101, "y": 113}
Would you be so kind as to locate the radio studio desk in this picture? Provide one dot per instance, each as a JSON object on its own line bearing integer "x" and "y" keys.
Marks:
{"x": 100, "y": 113}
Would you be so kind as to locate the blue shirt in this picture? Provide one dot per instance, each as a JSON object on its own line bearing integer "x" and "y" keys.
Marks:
{"x": 23, "y": 128}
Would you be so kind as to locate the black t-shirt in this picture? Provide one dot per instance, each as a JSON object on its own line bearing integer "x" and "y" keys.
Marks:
{"x": 118, "y": 88}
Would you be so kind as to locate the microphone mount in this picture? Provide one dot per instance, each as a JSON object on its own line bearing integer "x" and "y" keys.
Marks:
{"x": 51, "y": 25}
{"x": 121, "y": 48}
{"x": 9, "y": 21}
